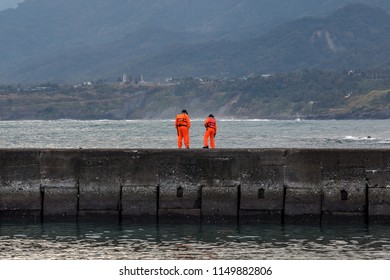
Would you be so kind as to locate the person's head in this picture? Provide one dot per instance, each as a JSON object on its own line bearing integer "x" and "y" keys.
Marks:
{"x": 211, "y": 116}
{"x": 184, "y": 111}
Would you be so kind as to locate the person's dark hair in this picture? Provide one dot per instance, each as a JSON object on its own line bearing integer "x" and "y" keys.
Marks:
{"x": 211, "y": 116}
{"x": 184, "y": 111}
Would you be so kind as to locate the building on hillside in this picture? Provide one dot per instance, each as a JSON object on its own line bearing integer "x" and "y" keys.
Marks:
{"x": 125, "y": 79}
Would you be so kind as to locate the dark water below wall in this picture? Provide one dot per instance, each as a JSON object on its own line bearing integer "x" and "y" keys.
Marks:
{"x": 112, "y": 241}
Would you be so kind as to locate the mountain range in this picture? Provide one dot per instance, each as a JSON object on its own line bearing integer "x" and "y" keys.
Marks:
{"x": 69, "y": 41}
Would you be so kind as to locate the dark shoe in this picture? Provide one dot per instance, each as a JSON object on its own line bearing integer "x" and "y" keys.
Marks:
{"x": 205, "y": 147}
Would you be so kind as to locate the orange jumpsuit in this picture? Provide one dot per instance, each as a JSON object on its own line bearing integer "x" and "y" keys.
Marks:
{"x": 183, "y": 125}
{"x": 211, "y": 131}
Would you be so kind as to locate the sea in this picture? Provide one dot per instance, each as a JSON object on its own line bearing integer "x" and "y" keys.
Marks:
{"x": 161, "y": 134}
{"x": 117, "y": 241}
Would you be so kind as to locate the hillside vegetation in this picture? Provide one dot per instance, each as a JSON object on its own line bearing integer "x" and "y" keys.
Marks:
{"x": 314, "y": 94}
{"x": 68, "y": 41}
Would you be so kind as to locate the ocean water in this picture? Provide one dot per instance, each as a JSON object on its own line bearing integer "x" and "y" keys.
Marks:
{"x": 115, "y": 241}
{"x": 161, "y": 134}
{"x": 84, "y": 241}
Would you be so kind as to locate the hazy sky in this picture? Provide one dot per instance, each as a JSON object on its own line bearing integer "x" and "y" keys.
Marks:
{"x": 5, "y": 4}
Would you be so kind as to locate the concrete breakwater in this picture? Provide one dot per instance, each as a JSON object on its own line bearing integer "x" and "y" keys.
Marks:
{"x": 245, "y": 186}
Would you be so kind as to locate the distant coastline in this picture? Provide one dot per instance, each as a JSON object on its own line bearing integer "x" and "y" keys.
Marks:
{"x": 286, "y": 96}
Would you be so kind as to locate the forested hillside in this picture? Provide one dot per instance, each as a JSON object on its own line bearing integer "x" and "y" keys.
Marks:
{"x": 313, "y": 94}
{"x": 71, "y": 41}
{"x": 356, "y": 36}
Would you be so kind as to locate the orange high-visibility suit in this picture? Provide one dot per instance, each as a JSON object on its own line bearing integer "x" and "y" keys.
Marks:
{"x": 211, "y": 131}
{"x": 183, "y": 125}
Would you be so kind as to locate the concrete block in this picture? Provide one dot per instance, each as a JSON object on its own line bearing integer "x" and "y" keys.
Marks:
{"x": 354, "y": 158}
{"x": 21, "y": 195}
{"x": 19, "y": 165}
{"x": 180, "y": 195}
{"x": 219, "y": 203}
{"x": 375, "y": 159}
{"x": 61, "y": 166}
{"x": 60, "y": 201}
{"x": 352, "y": 174}
{"x": 302, "y": 206}
{"x": 262, "y": 189}
{"x": 99, "y": 184}
{"x": 379, "y": 205}
{"x": 222, "y": 167}
{"x": 378, "y": 182}
{"x": 302, "y": 169}
{"x": 139, "y": 168}
{"x": 260, "y": 157}
{"x": 99, "y": 195}
{"x": 253, "y": 217}
{"x": 342, "y": 218}
{"x": 261, "y": 197}
{"x": 139, "y": 201}
{"x": 378, "y": 178}
{"x": 190, "y": 216}
{"x": 344, "y": 196}
{"x": 99, "y": 216}
{"x": 23, "y": 216}
{"x": 182, "y": 167}
{"x": 20, "y": 192}
{"x": 197, "y": 165}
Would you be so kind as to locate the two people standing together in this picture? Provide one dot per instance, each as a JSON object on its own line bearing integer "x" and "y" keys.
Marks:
{"x": 183, "y": 124}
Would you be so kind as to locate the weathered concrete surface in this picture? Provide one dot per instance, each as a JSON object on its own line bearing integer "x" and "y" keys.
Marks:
{"x": 245, "y": 186}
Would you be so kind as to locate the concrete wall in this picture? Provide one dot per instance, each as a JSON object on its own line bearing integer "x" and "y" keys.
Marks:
{"x": 197, "y": 186}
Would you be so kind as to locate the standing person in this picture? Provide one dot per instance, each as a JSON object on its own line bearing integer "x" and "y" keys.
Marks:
{"x": 211, "y": 132}
{"x": 183, "y": 125}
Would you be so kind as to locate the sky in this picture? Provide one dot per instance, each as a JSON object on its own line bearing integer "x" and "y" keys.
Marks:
{"x": 5, "y": 4}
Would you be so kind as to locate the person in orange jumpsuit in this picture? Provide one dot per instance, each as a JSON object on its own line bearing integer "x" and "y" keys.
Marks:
{"x": 183, "y": 125}
{"x": 211, "y": 132}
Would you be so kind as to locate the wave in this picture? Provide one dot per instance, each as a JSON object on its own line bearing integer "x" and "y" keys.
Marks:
{"x": 246, "y": 120}
{"x": 357, "y": 138}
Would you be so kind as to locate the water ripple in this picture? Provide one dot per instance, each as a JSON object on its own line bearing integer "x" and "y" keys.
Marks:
{"x": 115, "y": 242}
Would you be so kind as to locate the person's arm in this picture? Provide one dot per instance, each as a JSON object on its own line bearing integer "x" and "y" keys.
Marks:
{"x": 176, "y": 126}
